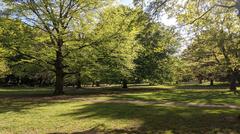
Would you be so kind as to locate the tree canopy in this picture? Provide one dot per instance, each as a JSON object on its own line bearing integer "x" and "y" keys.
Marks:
{"x": 77, "y": 42}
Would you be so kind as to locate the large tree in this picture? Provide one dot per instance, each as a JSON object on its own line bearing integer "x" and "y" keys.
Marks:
{"x": 216, "y": 36}
{"x": 116, "y": 54}
{"x": 56, "y": 19}
{"x": 154, "y": 62}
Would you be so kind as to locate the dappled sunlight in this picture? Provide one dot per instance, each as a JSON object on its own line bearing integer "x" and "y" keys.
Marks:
{"x": 164, "y": 111}
{"x": 189, "y": 96}
{"x": 107, "y": 67}
{"x": 157, "y": 118}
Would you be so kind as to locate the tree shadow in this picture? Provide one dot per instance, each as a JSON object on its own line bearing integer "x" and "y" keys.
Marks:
{"x": 18, "y": 100}
{"x": 218, "y": 86}
{"x": 160, "y": 119}
{"x": 24, "y": 92}
{"x": 20, "y": 105}
{"x": 48, "y": 92}
{"x": 187, "y": 96}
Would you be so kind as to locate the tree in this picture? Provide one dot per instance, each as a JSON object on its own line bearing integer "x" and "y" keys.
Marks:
{"x": 117, "y": 30}
{"x": 154, "y": 62}
{"x": 4, "y": 69}
{"x": 201, "y": 58}
{"x": 56, "y": 18}
{"x": 216, "y": 39}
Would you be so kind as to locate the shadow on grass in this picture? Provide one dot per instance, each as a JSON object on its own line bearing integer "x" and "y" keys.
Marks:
{"x": 48, "y": 92}
{"x": 187, "y": 96}
{"x": 159, "y": 119}
{"x": 190, "y": 86}
{"x": 44, "y": 92}
{"x": 25, "y": 92}
{"x": 20, "y": 99}
{"x": 21, "y": 105}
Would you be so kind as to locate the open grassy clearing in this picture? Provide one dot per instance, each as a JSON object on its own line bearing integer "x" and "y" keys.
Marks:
{"x": 142, "y": 109}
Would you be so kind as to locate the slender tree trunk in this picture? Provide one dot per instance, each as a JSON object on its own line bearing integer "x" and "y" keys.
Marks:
{"x": 19, "y": 81}
{"x": 200, "y": 81}
{"x": 93, "y": 84}
{"x": 233, "y": 82}
{"x": 79, "y": 84}
{"x": 124, "y": 83}
{"x": 59, "y": 70}
{"x": 211, "y": 82}
{"x": 177, "y": 82}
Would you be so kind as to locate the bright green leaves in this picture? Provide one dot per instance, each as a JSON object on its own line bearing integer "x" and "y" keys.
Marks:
{"x": 155, "y": 59}
{"x": 117, "y": 29}
{"x": 215, "y": 25}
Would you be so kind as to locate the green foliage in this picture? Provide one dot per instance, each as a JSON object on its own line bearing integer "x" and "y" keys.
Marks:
{"x": 214, "y": 52}
{"x": 118, "y": 29}
{"x": 156, "y": 57}
{"x": 4, "y": 69}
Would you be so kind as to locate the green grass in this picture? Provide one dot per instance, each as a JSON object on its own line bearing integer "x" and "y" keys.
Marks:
{"x": 28, "y": 110}
{"x": 217, "y": 97}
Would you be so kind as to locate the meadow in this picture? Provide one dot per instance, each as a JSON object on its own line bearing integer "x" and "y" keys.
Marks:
{"x": 139, "y": 109}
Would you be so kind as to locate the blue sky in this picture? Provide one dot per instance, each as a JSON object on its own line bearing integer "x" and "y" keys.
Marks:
{"x": 126, "y": 2}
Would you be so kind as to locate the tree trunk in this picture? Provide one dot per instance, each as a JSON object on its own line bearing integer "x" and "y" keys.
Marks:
{"x": 93, "y": 84}
{"x": 59, "y": 70}
{"x": 79, "y": 84}
{"x": 19, "y": 81}
{"x": 59, "y": 82}
{"x": 40, "y": 82}
{"x": 233, "y": 82}
{"x": 177, "y": 82}
{"x": 200, "y": 81}
{"x": 124, "y": 83}
{"x": 211, "y": 82}
{"x": 97, "y": 83}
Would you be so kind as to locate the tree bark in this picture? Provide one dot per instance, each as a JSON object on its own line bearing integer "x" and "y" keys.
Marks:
{"x": 79, "y": 84}
{"x": 59, "y": 70}
{"x": 93, "y": 84}
{"x": 124, "y": 83}
{"x": 233, "y": 82}
{"x": 211, "y": 82}
{"x": 200, "y": 81}
{"x": 97, "y": 83}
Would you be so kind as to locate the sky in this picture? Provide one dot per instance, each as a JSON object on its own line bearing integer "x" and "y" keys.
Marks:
{"x": 164, "y": 19}
{"x": 126, "y": 2}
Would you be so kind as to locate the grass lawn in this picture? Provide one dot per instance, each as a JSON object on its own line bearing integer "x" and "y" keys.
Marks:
{"x": 140, "y": 109}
